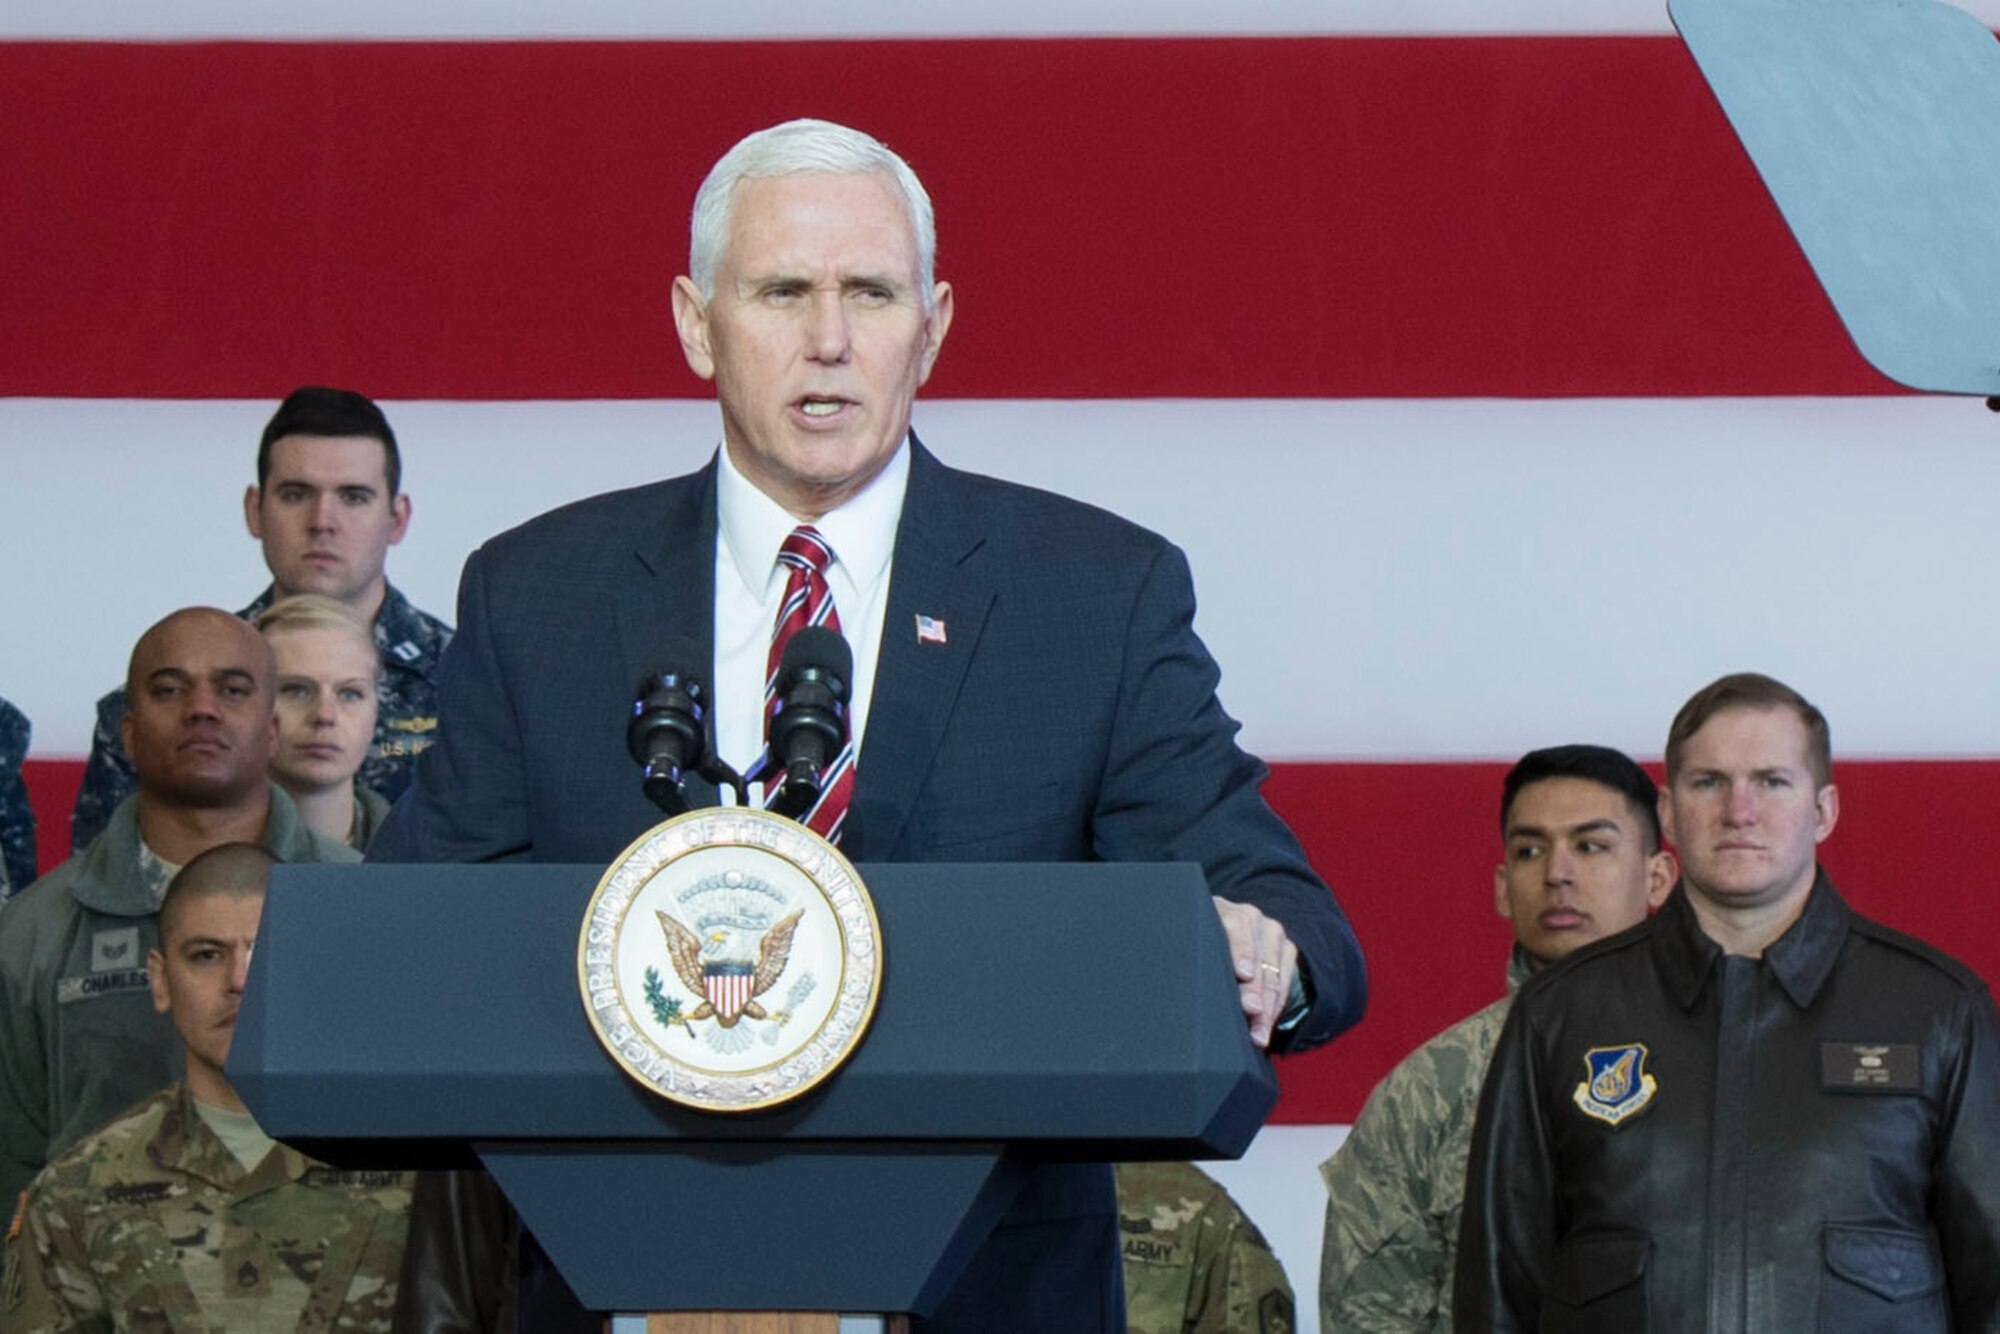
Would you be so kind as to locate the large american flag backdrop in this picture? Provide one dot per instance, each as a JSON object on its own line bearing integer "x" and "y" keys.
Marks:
{"x": 1458, "y": 343}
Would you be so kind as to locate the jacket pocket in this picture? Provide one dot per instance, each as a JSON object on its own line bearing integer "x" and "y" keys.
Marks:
{"x": 1597, "y": 1283}
{"x": 1879, "y": 1279}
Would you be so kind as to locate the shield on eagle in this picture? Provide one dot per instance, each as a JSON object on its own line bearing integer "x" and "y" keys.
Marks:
{"x": 727, "y": 986}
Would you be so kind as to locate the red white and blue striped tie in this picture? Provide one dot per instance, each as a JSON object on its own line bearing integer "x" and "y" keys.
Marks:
{"x": 808, "y": 601}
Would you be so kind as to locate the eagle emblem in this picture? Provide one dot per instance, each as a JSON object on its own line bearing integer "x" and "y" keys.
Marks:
{"x": 772, "y": 967}
{"x": 728, "y": 981}
{"x": 1615, "y": 1083}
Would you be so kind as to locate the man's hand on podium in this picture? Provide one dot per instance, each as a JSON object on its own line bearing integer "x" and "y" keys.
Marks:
{"x": 1266, "y": 965}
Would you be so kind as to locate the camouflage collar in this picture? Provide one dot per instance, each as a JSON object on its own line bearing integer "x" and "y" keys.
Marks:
{"x": 185, "y": 1144}
{"x": 1519, "y": 968}
{"x": 156, "y": 871}
{"x": 407, "y": 639}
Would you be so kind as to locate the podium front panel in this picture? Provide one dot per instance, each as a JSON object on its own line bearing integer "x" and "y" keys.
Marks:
{"x": 1080, "y": 1008}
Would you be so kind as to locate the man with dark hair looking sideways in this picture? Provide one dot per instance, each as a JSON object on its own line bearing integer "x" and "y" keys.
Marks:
{"x": 1758, "y": 1112}
{"x": 1581, "y": 860}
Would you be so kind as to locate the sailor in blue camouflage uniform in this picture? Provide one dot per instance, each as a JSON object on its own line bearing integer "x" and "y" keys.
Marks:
{"x": 327, "y": 507}
{"x": 17, "y": 817}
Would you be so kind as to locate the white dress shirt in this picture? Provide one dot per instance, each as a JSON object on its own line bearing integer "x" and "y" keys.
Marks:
{"x": 750, "y": 585}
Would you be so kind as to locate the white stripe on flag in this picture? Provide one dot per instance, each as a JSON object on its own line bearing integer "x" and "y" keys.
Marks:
{"x": 1494, "y": 573}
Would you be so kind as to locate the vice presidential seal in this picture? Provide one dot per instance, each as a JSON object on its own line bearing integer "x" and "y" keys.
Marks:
{"x": 730, "y": 959}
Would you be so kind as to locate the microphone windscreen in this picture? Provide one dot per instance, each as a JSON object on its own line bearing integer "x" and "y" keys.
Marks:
{"x": 817, "y": 648}
{"x": 676, "y": 656}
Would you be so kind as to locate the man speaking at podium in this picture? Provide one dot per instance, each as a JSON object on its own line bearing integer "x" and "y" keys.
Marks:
{"x": 1026, "y": 677}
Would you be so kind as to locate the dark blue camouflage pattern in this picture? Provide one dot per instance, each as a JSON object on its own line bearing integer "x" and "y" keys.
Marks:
{"x": 17, "y": 817}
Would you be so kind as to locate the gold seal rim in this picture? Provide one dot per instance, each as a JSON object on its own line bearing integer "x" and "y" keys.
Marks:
{"x": 836, "y": 1058}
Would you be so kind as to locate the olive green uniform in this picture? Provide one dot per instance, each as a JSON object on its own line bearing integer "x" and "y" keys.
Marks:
{"x": 370, "y": 810}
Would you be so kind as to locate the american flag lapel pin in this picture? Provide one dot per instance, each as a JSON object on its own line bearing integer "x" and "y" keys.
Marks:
{"x": 930, "y": 630}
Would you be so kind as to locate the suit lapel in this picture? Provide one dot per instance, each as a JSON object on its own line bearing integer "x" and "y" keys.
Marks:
{"x": 936, "y": 573}
{"x": 671, "y": 592}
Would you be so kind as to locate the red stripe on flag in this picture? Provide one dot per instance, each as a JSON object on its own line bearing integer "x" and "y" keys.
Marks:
{"x": 1181, "y": 217}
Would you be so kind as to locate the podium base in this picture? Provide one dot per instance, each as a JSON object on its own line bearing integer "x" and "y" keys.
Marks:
{"x": 890, "y": 1229}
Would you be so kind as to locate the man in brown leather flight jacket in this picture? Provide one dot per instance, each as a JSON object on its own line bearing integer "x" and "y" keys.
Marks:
{"x": 1758, "y": 1111}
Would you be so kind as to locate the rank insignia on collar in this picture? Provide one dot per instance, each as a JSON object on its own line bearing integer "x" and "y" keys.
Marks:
{"x": 1615, "y": 1086}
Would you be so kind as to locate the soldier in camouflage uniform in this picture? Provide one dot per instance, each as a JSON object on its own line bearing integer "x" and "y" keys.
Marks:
{"x": 79, "y": 1038}
{"x": 1582, "y": 861}
{"x": 1194, "y": 1264}
{"x": 182, "y": 1214}
{"x": 17, "y": 817}
{"x": 327, "y": 507}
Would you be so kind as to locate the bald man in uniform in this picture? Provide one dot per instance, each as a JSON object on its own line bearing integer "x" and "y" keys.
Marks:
{"x": 79, "y": 1039}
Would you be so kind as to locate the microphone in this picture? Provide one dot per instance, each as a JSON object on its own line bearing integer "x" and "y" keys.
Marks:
{"x": 668, "y": 734}
{"x": 815, "y": 676}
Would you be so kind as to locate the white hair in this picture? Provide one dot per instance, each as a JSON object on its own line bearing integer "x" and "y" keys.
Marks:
{"x": 784, "y": 150}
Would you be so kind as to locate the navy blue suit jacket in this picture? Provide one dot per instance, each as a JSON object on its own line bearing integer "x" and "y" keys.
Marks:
{"x": 1070, "y": 715}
